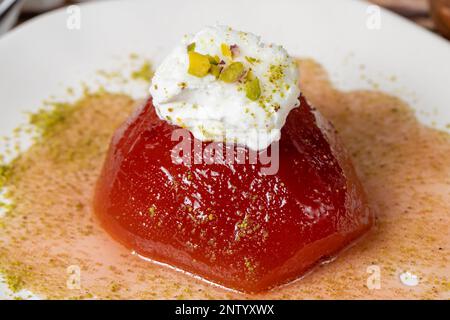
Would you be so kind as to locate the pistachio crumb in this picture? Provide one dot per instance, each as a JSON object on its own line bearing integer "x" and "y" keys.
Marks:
{"x": 252, "y": 60}
{"x": 152, "y": 211}
{"x": 144, "y": 73}
{"x": 191, "y": 47}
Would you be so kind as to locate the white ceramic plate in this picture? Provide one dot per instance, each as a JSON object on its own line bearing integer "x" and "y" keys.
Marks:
{"x": 43, "y": 57}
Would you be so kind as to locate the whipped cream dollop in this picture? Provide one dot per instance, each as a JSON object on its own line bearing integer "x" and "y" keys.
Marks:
{"x": 227, "y": 85}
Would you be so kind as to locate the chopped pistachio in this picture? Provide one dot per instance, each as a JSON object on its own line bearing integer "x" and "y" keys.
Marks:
{"x": 152, "y": 211}
{"x": 253, "y": 89}
{"x": 232, "y": 73}
{"x": 214, "y": 60}
{"x": 249, "y": 75}
{"x": 215, "y": 70}
{"x": 252, "y": 60}
{"x": 226, "y": 51}
{"x": 145, "y": 72}
{"x": 115, "y": 287}
{"x": 191, "y": 47}
{"x": 199, "y": 64}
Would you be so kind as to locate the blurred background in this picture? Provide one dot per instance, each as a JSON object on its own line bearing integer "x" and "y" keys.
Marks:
{"x": 431, "y": 14}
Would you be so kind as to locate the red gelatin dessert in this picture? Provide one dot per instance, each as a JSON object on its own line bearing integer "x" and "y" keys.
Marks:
{"x": 228, "y": 222}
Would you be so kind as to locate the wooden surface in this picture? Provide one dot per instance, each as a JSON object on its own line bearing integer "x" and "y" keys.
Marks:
{"x": 415, "y": 10}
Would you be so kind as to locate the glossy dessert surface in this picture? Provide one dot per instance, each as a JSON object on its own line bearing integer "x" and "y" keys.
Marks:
{"x": 231, "y": 222}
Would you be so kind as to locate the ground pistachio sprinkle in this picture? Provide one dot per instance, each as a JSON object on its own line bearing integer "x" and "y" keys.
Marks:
{"x": 145, "y": 72}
